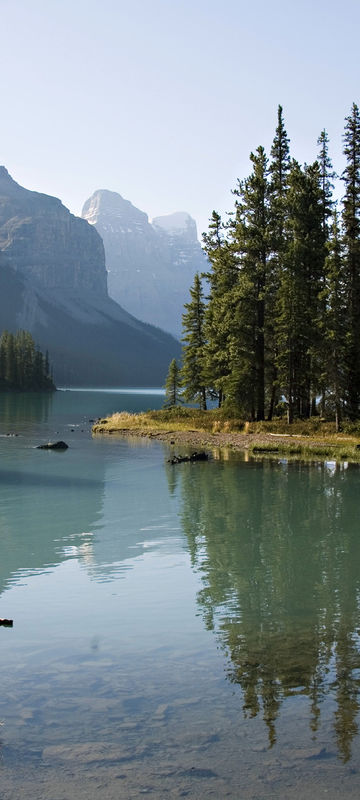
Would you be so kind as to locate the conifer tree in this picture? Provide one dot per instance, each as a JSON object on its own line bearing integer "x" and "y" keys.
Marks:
{"x": 39, "y": 369}
{"x": 327, "y": 176}
{"x": 251, "y": 241}
{"x": 298, "y": 296}
{"x": 283, "y": 310}
{"x": 334, "y": 320}
{"x": 351, "y": 227}
{"x": 193, "y": 376}
{"x": 278, "y": 186}
{"x": 222, "y": 278}
{"x": 11, "y": 371}
{"x": 279, "y": 170}
{"x": 22, "y": 365}
{"x": 173, "y": 385}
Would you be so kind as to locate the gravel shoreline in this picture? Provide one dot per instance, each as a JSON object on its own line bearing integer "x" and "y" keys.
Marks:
{"x": 207, "y": 440}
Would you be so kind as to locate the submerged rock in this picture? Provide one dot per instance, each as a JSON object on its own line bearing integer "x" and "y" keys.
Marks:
{"x": 53, "y": 446}
{"x": 202, "y": 456}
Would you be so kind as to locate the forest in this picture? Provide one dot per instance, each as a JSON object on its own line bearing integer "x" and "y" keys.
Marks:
{"x": 22, "y": 365}
{"x": 273, "y": 327}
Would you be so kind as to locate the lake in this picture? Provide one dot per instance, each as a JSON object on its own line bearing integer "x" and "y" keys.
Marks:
{"x": 179, "y": 631}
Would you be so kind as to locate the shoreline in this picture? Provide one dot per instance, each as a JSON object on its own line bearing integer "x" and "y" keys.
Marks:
{"x": 255, "y": 444}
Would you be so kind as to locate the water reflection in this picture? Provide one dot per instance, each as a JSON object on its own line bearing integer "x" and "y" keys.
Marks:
{"x": 278, "y": 547}
{"x": 46, "y": 518}
{"x": 15, "y": 407}
{"x": 96, "y": 503}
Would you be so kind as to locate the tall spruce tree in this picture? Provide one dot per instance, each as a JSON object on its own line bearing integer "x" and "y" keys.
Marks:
{"x": 193, "y": 372}
{"x": 351, "y": 228}
{"x": 327, "y": 176}
{"x": 222, "y": 277}
{"x": 279, "y": 170}
{"x": 334, "y": 321}
{"x": 251, "y": 241}
{"x": 278, "y": 187}
{"x": 298, "y": 296}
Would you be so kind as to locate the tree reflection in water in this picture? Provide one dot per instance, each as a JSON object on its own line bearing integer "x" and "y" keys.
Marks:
{"x": 277, "y": 546}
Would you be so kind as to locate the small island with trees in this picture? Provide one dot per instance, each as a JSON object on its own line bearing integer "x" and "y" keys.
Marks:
{"x": 271, "y": 332}
{"x": 23, "y": 367}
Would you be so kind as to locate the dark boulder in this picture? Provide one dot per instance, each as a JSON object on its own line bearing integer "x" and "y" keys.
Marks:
{"x": 53, "y": 446}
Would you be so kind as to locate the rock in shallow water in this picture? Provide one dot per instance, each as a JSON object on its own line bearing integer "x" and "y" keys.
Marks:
{"x": 193, "y": 457}
{"x": 53, "y": 446}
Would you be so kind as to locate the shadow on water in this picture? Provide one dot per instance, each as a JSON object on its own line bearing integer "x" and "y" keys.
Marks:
{"x": 277, "y": 549}
{"x": 31, "y": 479}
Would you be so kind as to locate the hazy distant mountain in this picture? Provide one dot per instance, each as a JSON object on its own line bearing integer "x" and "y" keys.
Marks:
{"x": 53, "y": 283}
{"x": 150, "y": 266}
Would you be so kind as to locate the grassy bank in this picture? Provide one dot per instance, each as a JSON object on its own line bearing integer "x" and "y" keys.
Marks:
{"x": 215, "y": 421}
{"x": 312, "y": 438}
{"x": 176, "y": 418}
{"x": 346, "y": 451}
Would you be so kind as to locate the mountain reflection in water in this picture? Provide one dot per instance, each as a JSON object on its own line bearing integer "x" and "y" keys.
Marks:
{"x": 277, "y": 548}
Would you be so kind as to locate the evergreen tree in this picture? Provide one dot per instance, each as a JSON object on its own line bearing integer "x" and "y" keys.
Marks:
{"x": 47, "y": 369}
{"x": 334, "y": 321}
{"x": 279, "y": 171}
{"x": 278, "y": 187}
{"x": 11, "y": 367}
{"x": 351, "y": 227}
{"x": 39, "y": 369}
{"x": 327, "y": 176}
{"x": 173, "y": 385}
{"x": 193, "y": 369}
{"x": 251, "y": 241}
{"x": 298, "y": 296}
{"x": 222, "y": 278}
{"x": 22, "y": 365}
{"x": 283, "y": 310}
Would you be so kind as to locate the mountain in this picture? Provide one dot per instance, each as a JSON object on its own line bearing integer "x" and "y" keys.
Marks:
{"x": 151, "y": 266}
{"x": 53, "y": 282}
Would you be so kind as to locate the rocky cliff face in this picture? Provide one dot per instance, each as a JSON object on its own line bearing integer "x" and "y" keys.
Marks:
{"x": 53, "y": 283}
{"x": 42, "y": 240}
{"x": 150, "y": 266}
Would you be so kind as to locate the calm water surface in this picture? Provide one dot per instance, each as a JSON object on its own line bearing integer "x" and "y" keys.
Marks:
{"x": 188, "y": 631}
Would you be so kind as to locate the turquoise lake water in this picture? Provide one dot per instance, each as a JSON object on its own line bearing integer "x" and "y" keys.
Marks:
{"x": 179, "y": 631}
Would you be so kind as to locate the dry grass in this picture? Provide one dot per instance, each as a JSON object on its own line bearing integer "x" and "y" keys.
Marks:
{"x": 180, "y": 419}
{"x": 314, "y": 427}
{"x": 305, "y": 439}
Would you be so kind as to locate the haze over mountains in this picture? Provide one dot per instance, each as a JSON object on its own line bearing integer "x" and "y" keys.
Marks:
{"x": 53, "y": 283}
{"x": 151, "y": 266}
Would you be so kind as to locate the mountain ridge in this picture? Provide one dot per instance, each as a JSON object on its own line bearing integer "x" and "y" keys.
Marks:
{"x": 151, "y": 264}
{"x": 53, "y": 282}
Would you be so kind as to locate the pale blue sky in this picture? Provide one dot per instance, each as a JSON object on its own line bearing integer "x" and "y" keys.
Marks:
{"x": 162, "y": 100}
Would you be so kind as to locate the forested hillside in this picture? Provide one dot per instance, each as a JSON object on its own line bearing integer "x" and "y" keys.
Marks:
{"x": 274, "y": 325}
{"x": 22, "y": 366}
